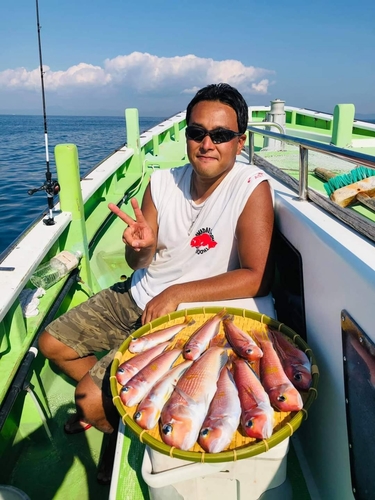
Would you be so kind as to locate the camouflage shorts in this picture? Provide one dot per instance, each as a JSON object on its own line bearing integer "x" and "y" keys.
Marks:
{"x": 99, "y": 325}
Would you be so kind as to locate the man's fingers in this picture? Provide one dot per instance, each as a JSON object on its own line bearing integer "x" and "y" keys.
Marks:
{"x": 137, "y": 211}
{"x": 122, "y": 215}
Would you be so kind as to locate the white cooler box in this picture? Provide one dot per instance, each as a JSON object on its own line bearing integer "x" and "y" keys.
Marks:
{"x": 174, "y": 479}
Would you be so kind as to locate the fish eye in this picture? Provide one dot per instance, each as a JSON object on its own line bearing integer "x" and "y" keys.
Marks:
{"x": 187, "y": 350}
{"x": 250, "y": 423}
{"x": 205, "y": 432}
{"x": 249, "y": 351}
{"x": 120, "y": 370}
{"x": 125, "y": 389}
{"x": 281, "y": 398}
{"x": 298, "y": 376}
{"x": 137, "y": 415}
{"x": 167, "y": 429}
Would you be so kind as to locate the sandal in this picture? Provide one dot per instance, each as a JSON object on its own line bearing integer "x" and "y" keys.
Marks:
{"x": 74, "y": 426}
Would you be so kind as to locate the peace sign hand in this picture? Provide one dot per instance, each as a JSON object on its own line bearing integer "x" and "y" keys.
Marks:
{"x": 138, "y": 235}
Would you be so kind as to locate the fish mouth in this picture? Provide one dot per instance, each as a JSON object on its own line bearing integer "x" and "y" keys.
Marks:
{"x": 286, "y": 399}
{"x": 258, "y": 425}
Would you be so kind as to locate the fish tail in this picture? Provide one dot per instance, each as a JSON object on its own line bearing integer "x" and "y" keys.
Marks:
{"x": 179, "y": 343}
{"x": 189, "y": 320}
{"x": 218, "y": 341}
{"x": 232, "y": 356}
{"x": 228, "y": 317}
{"x": 259, "y": 336}
{"x": 222, "y": 314}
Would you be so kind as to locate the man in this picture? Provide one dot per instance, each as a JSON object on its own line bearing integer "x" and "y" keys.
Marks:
{"x": 203, "y": 234}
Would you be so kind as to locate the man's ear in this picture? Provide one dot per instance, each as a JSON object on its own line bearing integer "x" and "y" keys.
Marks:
{"x": 241, "y": 143}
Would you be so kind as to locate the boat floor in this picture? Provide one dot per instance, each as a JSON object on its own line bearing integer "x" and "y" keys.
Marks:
{"x": 65, "y": 466}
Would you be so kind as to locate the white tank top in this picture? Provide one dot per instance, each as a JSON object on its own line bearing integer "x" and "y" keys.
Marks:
{"x": 194, "y": 241}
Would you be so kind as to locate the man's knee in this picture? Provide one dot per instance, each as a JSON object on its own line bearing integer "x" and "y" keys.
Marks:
{"x": 53, "y": 349}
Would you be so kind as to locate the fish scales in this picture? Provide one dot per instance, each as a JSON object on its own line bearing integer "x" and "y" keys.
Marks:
{"x": 152, "y": 339}
{"x": 223, "y": 416}
{"x": 138, "y": 386}
{"x": 257, "y": 416}
{"x": 296, "y": 364}
{"x": 132, "y": 366}
{"x": 201, "y": 338}
{"x": 283, "y": 395}
{"x": 183, "y": 414}
{"x": 149, "y": 409}
{"x": 241, "y": 342}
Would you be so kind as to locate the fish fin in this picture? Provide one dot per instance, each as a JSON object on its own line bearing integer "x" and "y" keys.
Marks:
{"x": 255, "y": 365}
{"x": 219, "y": 341}
{"x": 186, "y": 397}
{"x": 180, "y": 343}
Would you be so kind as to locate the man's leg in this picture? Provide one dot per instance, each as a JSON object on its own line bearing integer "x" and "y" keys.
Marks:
{"x": 100, "y": 324}
{"x": 64, "y": 357}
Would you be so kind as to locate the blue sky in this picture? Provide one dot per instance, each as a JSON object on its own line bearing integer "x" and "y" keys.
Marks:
{"x": 106, "y": 55}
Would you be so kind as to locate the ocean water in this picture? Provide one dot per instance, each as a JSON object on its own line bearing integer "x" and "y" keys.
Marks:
{"x": 23, "y": 160}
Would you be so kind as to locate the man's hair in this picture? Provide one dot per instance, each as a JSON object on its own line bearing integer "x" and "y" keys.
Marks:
{"x": 225, "y": 93}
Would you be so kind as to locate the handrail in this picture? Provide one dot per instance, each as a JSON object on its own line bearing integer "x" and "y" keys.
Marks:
{"x": 306, "y": 145}
{"x": 267, "y": 124}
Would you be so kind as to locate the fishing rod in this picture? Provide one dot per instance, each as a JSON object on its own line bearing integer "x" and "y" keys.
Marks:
{"x": 50, "y": 186}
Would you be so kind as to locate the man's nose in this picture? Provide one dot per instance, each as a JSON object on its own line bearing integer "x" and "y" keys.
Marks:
{"x": 207, "y": 143}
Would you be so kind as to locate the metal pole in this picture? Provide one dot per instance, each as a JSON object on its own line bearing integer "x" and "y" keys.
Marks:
{"x": 303, "y": 173}
{"x": 251, "y": 147}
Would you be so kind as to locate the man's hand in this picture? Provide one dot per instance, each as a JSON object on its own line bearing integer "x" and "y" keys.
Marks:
{"x": 138, "y": 235}
{"x": 164, "y": 303}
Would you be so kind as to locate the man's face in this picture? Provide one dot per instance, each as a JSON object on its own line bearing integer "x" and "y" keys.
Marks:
{"x": 209, "y": 160}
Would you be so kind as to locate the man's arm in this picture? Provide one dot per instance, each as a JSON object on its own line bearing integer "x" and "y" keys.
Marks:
{"x": 140, "y": 237}
{"x": 254, "y": 235}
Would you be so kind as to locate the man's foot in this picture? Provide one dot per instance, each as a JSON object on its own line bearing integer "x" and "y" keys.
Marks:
{"x": 106, "y": 463}
{"x": 74, "y": 425}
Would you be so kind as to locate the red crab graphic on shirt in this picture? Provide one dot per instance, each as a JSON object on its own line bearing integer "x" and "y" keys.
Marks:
{"x": 203, "y": 241}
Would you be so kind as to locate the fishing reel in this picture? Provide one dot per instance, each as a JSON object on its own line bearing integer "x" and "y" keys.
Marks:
{"x": 52, "y": 188}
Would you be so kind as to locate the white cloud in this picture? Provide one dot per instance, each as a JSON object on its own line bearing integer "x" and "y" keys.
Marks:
{"x": 143, "y": 73}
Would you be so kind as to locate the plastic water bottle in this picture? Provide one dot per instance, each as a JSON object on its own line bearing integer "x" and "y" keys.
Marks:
{"x": 51, "y": 272}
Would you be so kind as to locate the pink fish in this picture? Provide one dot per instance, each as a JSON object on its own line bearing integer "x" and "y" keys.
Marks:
{"x": 138, "y": 386}
{"x": 257, "y": 415}
{"x": 149, "y": 409}
{"x": 152, "y": 339}
{"x": 296, "y": 364}
{"x": 223, "y": 415}
{"x": 182, "y": 416}
{"x": 129, "y": 368}
{"x": 241, "y": 342}
{"x": 283, "y": 395}
{"x": 200, "y": 339}
{"x": 203, "y": 240}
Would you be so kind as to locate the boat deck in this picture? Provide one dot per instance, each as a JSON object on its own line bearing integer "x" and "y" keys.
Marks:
{"x": 64, "y": 466}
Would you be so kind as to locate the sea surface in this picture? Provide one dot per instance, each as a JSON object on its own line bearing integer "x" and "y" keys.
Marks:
{"x": 23, "y": 160}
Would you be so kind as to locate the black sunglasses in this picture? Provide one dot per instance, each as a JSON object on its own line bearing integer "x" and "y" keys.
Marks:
{"x": 217, "y": 136}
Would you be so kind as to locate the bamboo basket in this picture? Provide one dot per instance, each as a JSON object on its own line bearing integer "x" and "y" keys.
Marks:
{"x": 241, "y": 446}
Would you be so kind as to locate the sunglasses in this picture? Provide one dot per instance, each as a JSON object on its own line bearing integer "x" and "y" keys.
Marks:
{"x": 217, "y": 136}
